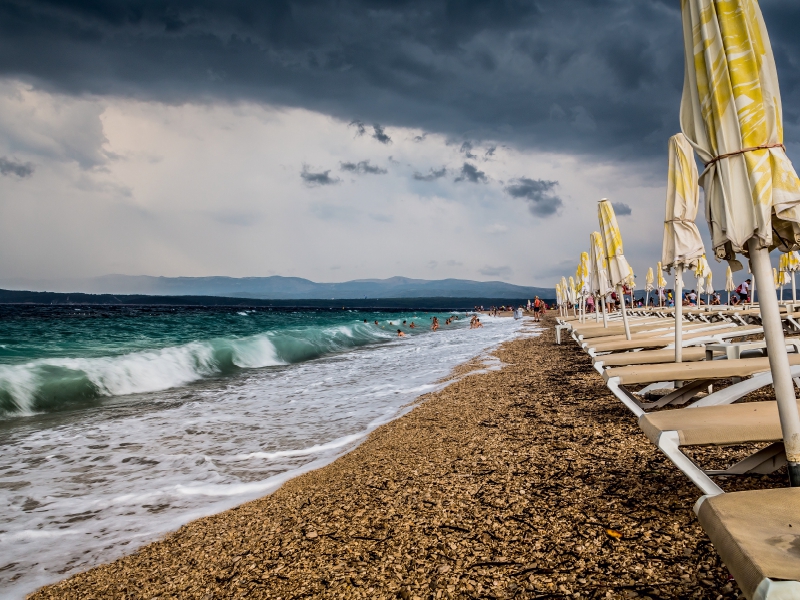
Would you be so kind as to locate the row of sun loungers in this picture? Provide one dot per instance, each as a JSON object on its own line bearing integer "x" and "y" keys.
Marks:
{"x": 702, "y": 401}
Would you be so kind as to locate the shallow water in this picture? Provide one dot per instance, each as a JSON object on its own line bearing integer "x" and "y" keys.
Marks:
{"x": 118, "y": 425}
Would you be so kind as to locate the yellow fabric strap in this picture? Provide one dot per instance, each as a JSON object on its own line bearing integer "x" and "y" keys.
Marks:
{"x": 743, "y": 150}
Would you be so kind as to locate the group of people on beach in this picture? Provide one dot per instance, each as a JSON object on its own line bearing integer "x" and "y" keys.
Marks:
{"x": 666, "y": 297}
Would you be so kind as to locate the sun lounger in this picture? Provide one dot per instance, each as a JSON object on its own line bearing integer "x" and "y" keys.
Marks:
{"x": 757, "y": 535}
{"x": 749, "y": 422}
{"x": 698, "y": 375}
{"x": 695, "y": 337}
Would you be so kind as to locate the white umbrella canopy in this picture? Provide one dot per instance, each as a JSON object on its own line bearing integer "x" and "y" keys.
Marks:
{"x": 729, "y": 285}
{"x": 649, "y": 280}
{"x": 731, "y": 113}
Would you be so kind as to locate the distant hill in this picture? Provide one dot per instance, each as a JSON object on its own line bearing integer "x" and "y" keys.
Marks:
{"x": 285, "y": 288}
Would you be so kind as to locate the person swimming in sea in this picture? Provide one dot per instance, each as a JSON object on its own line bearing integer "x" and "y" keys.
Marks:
{"x": 400, "y": 333}
{"x": 435, "y": 325}
{"x": 412, "y": 326}
{"x": 376, "y": 322}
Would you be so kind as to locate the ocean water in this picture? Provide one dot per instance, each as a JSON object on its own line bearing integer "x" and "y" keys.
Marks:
{"x": 118, "y": 425}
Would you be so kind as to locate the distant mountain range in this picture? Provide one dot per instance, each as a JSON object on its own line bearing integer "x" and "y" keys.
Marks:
{"x": 284, "y": 288}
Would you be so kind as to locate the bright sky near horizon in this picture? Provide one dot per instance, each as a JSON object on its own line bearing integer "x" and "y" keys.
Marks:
{"x": 336, "y": 141}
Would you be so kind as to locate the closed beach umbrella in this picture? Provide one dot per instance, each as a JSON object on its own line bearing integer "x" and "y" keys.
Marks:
{"x": 793, "y": 265}
{"x": 682, "y": 246}
{"x": 619, "y": 271}
{"x": 583, "y": 280}
{"x": 662, "y": 283}
{"x": 599, "y": 271}
{"x": 729, "y": 285}
{"x": 558, "y": 296}
{"x": 649, "y": 280}
{"x": 573, "y": 294}
{"x": 703, "y": 273}
{"x": 731, "y": 112}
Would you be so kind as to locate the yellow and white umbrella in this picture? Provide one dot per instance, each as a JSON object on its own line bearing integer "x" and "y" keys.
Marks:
{"x": 599, "y": 283}
{"x": 619, "y": 271}
{"x": 582, "y": 277}
{"x": 573, "y": 293}
{"x": 793, "y": 265}
{"x": 703, "y": 272}
{"x": 662, "y": 283}
{"x": 731, "y": 113}
{"x": 729, "y": 285}
{"x": 782, "y": 276}
{"x": 559, "y": 301}
{"x": 565, "y": 293}
{"x": 682, "y": 246}
{"x": 649, "y": 281}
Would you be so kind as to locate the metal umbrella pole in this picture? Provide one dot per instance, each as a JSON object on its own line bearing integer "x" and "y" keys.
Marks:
{"x": 678, "y": 313}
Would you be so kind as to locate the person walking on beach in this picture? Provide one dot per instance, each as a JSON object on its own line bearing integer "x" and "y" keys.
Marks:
{"x": 537, "y": 308}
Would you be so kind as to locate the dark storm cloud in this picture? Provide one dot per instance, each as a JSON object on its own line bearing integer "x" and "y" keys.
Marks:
{"x": 542, "y": 202}
{"x": 313, "y": 179}
{"x": 472, "y": 174}
{"x": 431, "y": 175}
{"x": 585, "y": 76}
{"x": 466, "y": 150}
{"x": 379, "y": 134}
{"x": 363, "y": 168}
{"x": 621, "y": 209}
{"x": 9, "y": 166}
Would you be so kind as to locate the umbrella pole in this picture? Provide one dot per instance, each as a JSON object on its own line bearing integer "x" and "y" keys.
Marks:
{"x": 621, "y": 294}
{"x": 596, "y": 310}
{"x": 778, "y": 361}
{"x": 794, "y": 291}
{"x": 605, "y": 314}
{"x": 678, "y": 313}
{"x": 646, "y": 298}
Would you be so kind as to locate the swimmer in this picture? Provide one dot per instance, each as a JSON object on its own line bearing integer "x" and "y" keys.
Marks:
{"x": 400, "y": 333}
{"x": 412, "y": 326}
{"x": 376, "y": 322}
{"x": 365, "y": 320}
{"x": 476, "y": 324}
{"x": 435, "y": 325}
{"x": 404, "y": 322}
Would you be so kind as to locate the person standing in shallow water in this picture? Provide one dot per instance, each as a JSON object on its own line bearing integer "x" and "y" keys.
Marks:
{"x": 435, "y": 325}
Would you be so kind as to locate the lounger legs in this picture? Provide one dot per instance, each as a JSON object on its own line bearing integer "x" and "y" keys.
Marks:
{"x": 668, "y": 443}
{"x": 765, "y": 461}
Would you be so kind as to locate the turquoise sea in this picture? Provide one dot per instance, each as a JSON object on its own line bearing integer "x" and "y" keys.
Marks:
{"x": 118, "y": 424}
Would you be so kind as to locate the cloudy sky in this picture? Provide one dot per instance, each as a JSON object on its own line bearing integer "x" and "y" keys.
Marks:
{"x": 340, "y": 140}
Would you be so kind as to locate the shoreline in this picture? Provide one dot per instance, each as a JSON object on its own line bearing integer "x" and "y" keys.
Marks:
{"x": 504, "y": 483}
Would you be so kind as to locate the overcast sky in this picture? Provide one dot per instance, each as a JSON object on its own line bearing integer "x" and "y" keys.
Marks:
{"x": 340, "y": 140}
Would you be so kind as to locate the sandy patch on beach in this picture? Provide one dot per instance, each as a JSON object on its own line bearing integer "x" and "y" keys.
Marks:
{"x": 528, "y": 482}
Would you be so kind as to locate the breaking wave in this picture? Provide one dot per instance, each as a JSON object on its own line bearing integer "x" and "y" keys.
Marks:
{"x": 53, "y": 384}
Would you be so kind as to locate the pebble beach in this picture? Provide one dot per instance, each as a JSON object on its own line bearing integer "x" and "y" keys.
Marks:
{"x": 531, "y": 481}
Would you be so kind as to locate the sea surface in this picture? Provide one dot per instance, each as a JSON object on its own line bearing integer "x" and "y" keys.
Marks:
{"x": 120, "y": 424}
